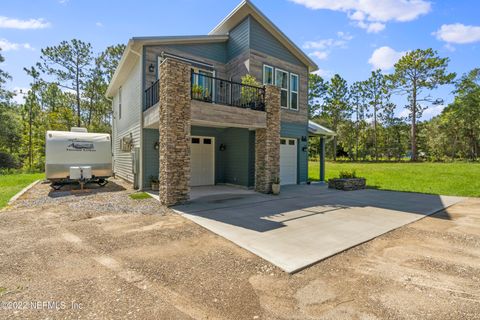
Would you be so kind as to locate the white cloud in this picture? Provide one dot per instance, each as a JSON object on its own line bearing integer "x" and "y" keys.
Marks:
{"x": 11, "y": 23}
{"x": 6, "y": 45}
{"x": 321, "y": 55}
{"x": 428, "y": 113}
{"x": 404, "y": 113}
{"x": 433, "y": 111}
{"x": 384, "y": 58}
{"x": 324, "y": 46}
{"x": 373, "y": 27}
{"x": 20, "y": 94}
{"x": 373, "y": 14}
{"x": 99, "y": 24}
{"x": 344, "y": 36}
{"x": 458, "y": 33}
{"x": 449, "y": 47}
{"x": 326, "y": 74}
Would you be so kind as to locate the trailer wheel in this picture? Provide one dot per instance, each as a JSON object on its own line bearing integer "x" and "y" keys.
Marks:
{"x": 56, "y": 186}
{"x": 102, "y": 182}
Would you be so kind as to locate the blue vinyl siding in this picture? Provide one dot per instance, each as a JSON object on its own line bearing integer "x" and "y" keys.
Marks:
{"x": 231, "y": 165}
{"x": 214, "y": 51}
{"x": 261, "y": 40}
{"x": 297, "y": 131}
{"x": 239, "y": 39}
{"x": 249, "y": 34}
{"x": 150, "y": 156}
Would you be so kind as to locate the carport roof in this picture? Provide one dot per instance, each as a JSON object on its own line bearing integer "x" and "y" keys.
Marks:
{"x": 314, "y": 129}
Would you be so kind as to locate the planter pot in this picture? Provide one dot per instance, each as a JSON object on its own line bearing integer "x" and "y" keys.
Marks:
{"x": 155, "y": 186}
{"x": 347, "y": 184}
{"x": 275, "y": 188}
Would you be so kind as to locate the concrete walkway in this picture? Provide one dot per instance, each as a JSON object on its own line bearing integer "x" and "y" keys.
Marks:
{"x": 306, "y": 223}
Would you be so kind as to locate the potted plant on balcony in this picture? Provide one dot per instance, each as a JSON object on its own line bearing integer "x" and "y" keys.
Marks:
{"x": 154, "y": 183}
{"x": 197, "y": 92}
{"x": 276, "y": 186}
{"x": 206, "y": 96}
{"x": 347, "y": 181}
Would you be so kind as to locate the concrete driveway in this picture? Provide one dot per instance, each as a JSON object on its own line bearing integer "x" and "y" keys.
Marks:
{"x": 306, "y": 223}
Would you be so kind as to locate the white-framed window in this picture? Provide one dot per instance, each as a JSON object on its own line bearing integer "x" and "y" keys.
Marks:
{"x": 203, "y": 84}
{"x": 120, "y": 103}
{"x": 281, "y": 81}
{"x": 293, "y": 91}
{"x": 267, "y": 74}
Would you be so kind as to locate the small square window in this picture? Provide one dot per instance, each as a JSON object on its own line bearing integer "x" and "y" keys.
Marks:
{"x": 283, "y": 141}
{"x": 195, "y": 140}
{"x": 207, "y": 141}
{"x": 291, "y": 142}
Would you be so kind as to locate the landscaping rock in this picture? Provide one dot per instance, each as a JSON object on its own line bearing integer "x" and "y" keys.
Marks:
{"x": 347, "y": 184}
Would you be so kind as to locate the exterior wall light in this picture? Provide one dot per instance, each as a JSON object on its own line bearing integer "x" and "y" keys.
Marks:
{"x": 156, "y": 146}
{"x": 151, "y": 68}
{"x": 223, "y": 147}
{"x": 304, "y": 149}
{"x": 304, "y": 138}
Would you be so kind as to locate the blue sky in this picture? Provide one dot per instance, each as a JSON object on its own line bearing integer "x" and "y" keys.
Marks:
{"x": 348, "y": 37}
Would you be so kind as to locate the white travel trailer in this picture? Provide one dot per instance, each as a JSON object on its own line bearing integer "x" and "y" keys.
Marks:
{"x": 77, "y": 156}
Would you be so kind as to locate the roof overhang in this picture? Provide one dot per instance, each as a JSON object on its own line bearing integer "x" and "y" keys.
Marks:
{"x": 314, "y": 129}
{"x": 133, "y": 52}
{"x": 246, "y": 8}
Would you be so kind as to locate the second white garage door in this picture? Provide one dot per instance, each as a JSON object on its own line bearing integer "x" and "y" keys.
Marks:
{"x": 202, "y": 161}
{"x": 288, "y": 161}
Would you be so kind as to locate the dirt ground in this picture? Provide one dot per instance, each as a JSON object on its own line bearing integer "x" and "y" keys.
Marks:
{"x": 102, "y": 255}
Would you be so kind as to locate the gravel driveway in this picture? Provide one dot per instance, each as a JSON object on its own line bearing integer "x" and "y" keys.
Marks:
{"x": 101, "y": 255}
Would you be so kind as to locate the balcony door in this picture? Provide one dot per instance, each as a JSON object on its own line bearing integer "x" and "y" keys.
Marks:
{"x": 203, "y": 84}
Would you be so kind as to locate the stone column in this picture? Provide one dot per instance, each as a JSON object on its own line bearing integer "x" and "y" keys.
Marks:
{"x": 267, "y": 143}
{"x": 174, "y": 131}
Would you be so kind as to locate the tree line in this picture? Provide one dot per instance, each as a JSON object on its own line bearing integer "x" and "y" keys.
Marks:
{"x": 368, "y": 128}
{"x": 69, "y": 81}
{"x": 67, "y": 89}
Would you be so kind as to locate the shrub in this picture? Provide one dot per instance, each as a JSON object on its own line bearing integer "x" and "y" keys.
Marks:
{"x": 7, "y": 161}
{"x": 348, "y": 174}
{"x": 249, "y": 94}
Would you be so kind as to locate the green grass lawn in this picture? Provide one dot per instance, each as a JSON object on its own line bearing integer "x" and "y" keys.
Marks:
{"x": 10, "y": 184}
{"x": 456, "y": 179}
{"x": 140, "y": 196}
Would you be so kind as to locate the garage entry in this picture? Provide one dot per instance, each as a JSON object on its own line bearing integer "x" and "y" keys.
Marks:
{"x": 202, "y": 161}
{"x": 288, "y": 161}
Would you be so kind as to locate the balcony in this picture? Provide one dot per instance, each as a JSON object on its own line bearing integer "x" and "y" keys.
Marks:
{"x": 220, "y": 91}
{"x": 152, "y": 95}
{"x": 214, "y": 102}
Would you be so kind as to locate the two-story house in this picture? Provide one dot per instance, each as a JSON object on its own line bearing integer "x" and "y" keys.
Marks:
{"x": 185, "y": 114}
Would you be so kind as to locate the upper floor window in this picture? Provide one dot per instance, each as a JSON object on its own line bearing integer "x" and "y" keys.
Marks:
{"x": 267, "y": 74}
{"x": 120, "y": 103}
{"x": 281, "y": 81}
{"x": 293, "y": 91}
{"x": 202, "y": 84}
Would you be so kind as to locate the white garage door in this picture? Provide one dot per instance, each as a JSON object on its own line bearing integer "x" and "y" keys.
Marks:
{"x": 202, "y": 161}
{"x": 288, "y": 161}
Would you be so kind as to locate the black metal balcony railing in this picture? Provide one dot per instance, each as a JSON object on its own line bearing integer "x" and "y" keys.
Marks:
{"x": 152, "y": 95}
{"x": 215, "y": 90}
